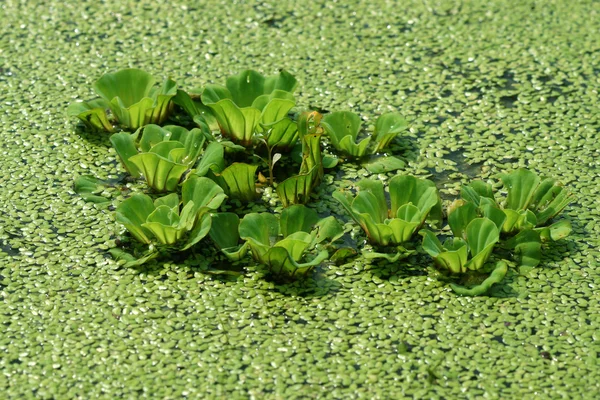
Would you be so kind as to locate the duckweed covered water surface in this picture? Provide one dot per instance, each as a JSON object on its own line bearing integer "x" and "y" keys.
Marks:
{"x": 486, "y": 88}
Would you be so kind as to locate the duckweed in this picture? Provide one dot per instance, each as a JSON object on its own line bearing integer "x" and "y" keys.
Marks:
{"x": 518, "y": 93}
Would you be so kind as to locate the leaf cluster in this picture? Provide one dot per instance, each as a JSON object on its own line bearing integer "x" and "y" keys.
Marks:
{"x": 129, "y": 99}
{"x": 483, "y": 218}
{"x": 211, "y": 156}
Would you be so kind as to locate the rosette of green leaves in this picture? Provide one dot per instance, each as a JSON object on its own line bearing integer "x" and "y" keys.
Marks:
{"x": 283, "y": 244}
{"x": 162, "y": 156}
{"x": 413, "y": 201}
{"x": 530, "y": 204}
{"x": 132, "y": 98}
{"x": 251, "y": 103}
{"x": 167, "y": 221}
{"x": 343, "y": 128}
{"x": 467, "y": 253}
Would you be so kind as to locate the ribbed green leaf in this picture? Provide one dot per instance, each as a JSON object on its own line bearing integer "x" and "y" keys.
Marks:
{"x": 152, "y": 135}
{"x": 475, "y": 191}
{"x": 521, "y": 185}
{"x": 527, "y": 245}
{"x": 404, "y": 226}
{"x": 92, "y": 113}
{"x": 160, "y": 173}
{"x": 482, "y": 235}
{"x": 422, "y": 193}
{"x": 297, "y": 218}
{"x": 295, "y": 189}
{"x": 387, "y": 127}
{"x": 199, "y": 232}
{"x": 281, "y": 135}
{"x": 124, "y": 145}
{"x": 366, "y": 202}
{"x": 163, "y": 222}
{"x": 133, "y": 100}
{"x": 236, "y": 123}
{"x": 224, "y": 231}
{"x": 89, "y": 188}
{"x": 283, "y": 81}
{"x": 132, "y": 213}
{"x": 375, "y": 187}
{"x": 353, "y": 149}
{"x": 240, "y": 179}
{"x": 205, "y": 193}
{"x": 460, "y": 217}
{"x": 384, "y": 164}
{"x": 295, "y": 244}
{"x": 451, "y": 257}
{"x": 328, "y": 229}
{"x": 340, "y": 124}
{"x": 212, "y": 158}
{"x": 262, "y": 228}
{"x": 274, "y": 106}
{"x": 491, "y": 211}
{"x": 282, "y": 264}
{"x": 549, "y": 200}
{"x": 556, "y": 231}
{"x": 245, "y": 87}
{"x": 171, "y": 200}
{"x": 130, "y": 85}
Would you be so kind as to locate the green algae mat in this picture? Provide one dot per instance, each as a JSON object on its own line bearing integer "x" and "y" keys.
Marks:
{"x": 486, "y": 87}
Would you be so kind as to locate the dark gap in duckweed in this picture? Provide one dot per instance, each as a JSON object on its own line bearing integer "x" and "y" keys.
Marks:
{"x": 7, "y": 249}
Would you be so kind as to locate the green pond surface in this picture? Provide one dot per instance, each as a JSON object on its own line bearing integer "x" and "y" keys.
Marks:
{"x": 487, "y": 86}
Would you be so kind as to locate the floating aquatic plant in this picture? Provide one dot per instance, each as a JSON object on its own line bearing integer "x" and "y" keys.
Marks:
{"x": 249, "y": 102}
{"x": 413, "y": 201}
{"x": 466, "y": 253}
{"x": 169, "y": 222}
{"x": 162, "y": 155}
{"x": 343, "y": 128}
{"x": 132, "y": 98}
{"x": 528, "y": 208}
{"x": 283, "y": 244}
{"x": 297, "y": 189}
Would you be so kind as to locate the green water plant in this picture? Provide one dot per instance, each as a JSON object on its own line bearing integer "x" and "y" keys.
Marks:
{"x": 344, "y": 127}
{"x": 169, "y": 223}
{"x": 238, "y": 181}
{"x": 249, "y": 103}
{"x": 527, "y": 210}
{"x": 132, "y": 98}
{"x": 162, "y": 155}
{"x": 466, "y": 254}
{"x": 413, "y": 201}
{"x": 225, "y": 234}
{"x": 285, "y": 244}
{"x": 277, "y": 137}
{"x": 297, "y": 189}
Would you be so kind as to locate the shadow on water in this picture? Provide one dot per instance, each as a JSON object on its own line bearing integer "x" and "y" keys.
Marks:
{"x": 415, "y": 265}
{"x": 471, "y": 170}
{"x": 99, "y": 139}
{"x": 404, "y": 148}
{"x": 506, "y": 288}
{"x": 314, "y": 285}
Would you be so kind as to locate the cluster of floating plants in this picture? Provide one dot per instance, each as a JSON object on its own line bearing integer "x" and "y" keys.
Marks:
{"x": 182, "y": 143}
